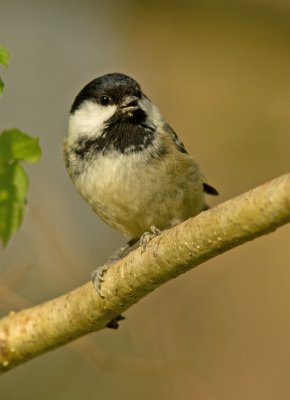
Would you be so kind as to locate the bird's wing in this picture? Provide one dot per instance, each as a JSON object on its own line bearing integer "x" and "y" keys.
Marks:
{"x": 177, "y": 142}
{"x": 180, "y": 146}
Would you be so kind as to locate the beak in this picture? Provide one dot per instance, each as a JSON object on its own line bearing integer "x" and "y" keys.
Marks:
{"x": 130, "y": 102}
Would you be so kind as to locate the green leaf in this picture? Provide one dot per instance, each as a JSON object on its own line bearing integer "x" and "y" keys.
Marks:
{"x": 13, "y": 191}
{"x": 4, "y": 60}
{"x": 16, "y": 145}
{"x": 4, "y": 56}
{"x": 1, "y": 86}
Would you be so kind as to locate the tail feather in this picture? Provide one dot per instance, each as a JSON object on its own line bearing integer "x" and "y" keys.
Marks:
{"x": 210, "y": 189}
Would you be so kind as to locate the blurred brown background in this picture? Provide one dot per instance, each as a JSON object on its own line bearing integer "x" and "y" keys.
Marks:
{"x": 220, "y": 73}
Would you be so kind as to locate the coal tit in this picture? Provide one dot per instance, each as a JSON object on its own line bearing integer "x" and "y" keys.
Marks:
{"x": 128, "y": 163}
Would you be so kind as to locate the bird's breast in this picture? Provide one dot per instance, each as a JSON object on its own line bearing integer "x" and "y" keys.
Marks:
{"x": 131, "y": 193}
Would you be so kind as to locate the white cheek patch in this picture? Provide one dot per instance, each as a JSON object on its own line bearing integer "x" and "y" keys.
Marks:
{"x": 152, "y": 112}
{"x": 89, "y": 119}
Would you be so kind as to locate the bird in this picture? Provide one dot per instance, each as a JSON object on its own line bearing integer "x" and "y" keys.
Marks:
{"x": 127, "y": 162}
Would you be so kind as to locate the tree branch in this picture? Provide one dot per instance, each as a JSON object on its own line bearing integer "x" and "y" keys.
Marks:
{"x": 30, "y": 332}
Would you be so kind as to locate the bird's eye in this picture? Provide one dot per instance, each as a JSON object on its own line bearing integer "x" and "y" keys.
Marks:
{"x": 104, "y": 100}
{"x": 138, "y": 93}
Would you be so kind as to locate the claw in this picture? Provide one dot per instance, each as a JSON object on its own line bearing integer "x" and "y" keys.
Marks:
{"x": 98, "y": 277}
{"x": 100, "y": 271}
{"x": 147, "y": 236}
{"x": 155, "y": 231}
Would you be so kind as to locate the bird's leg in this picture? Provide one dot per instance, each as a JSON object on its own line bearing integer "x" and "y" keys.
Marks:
{"x": 99, "y": 272}
{"x": 122, "y": 251}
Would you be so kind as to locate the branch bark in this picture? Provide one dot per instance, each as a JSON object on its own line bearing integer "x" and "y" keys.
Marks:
{"x": 33, "y": 331}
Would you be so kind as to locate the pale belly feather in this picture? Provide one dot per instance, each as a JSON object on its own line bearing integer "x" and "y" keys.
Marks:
{"x": 131, "y": 195}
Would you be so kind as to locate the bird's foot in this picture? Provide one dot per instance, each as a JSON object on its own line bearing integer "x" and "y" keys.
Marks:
{"x": 98, "y": 277}
{"x": 147, "y": 236}
{"x": 100, "y": 271}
